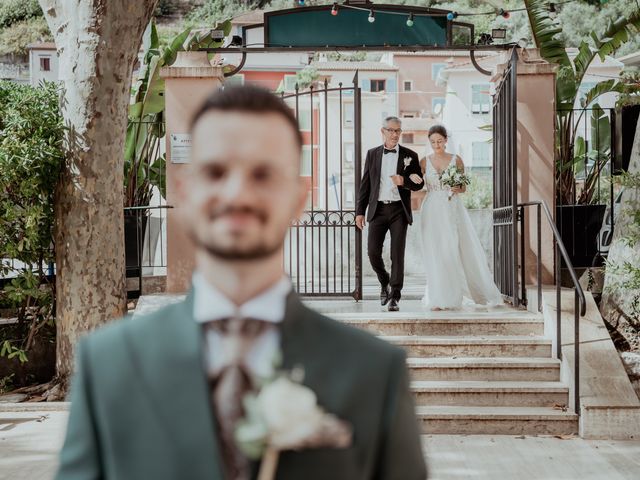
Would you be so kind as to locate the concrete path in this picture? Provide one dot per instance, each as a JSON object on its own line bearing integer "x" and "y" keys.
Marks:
{"x": 29, "y": 442}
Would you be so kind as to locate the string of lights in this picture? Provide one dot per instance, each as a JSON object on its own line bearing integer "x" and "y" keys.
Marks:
{"x": 499, "y": 12}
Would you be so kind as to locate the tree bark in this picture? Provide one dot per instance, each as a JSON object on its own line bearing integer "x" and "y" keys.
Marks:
{"x": 97, "y": 43}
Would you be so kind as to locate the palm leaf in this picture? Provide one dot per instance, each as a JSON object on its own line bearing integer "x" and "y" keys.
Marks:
{"x": 601, "y": 88}
{"x": 545, "y": 32}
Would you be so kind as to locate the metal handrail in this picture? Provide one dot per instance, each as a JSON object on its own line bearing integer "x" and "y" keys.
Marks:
{"x": 580, "y": 301}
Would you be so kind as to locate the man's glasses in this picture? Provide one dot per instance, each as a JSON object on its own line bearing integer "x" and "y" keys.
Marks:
{"x": 397, "y": 131}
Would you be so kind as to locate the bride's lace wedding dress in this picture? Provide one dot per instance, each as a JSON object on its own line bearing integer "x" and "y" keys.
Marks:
{"x": 454, "y": 260}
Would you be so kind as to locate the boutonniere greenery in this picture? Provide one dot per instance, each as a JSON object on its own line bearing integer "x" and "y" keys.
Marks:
{"x": 284, "y": 415}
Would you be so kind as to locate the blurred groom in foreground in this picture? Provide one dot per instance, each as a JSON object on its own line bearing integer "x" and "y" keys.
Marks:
{"x": 159, "y": 397}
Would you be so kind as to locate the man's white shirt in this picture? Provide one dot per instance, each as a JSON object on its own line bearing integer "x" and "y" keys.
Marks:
{"x": 211, "y": 305}
{"x": 389, "y": 190}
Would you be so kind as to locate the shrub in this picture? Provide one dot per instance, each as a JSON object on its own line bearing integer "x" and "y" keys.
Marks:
{"x": 15, "y": 38}
{"x": 479, "y": 192}
{"x": 31, "y": 136}
{"x": 13, "y": 11}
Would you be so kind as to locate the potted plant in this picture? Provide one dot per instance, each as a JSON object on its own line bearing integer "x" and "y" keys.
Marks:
{"x": 144, "y": 162}
{"x": 578, "y": 167}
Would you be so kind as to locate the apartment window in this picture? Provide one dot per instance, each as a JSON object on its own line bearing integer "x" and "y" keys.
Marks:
{"x": 347, "y": 115}
{"x": 407, "y": 85}
{"x": 480, "y": 99}
{"x": 408, "y": 115}
{"x": 349, "y": 153}
{"x": 306, "y": 162}
{"x": 290, "y": 83}
{"x": 407, "y": 138}
{"x": 481, "y": 155}
{"x": 378, "y": 85}
{"x": 437, "y": 104}
{"x": 435, "y": 70}
{"x": 304, "y": 119}
{"x": 45, "y": 64}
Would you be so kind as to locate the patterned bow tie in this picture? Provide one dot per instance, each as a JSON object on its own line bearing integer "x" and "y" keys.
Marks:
{"x": 386, "y": 150}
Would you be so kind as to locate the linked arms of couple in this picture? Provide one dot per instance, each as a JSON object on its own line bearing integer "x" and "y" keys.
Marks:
{"x": 410, "y": 178}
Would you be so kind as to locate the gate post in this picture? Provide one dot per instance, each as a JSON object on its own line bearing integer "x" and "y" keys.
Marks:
{"x": 187, "y": 83}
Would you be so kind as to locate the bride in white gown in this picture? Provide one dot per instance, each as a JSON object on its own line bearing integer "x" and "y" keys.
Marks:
{"x": 455, "y": 262}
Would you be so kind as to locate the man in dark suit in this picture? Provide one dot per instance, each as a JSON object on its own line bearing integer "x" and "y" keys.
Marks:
{"x": 159, "y": 397}
{"x": 391, "y": 171}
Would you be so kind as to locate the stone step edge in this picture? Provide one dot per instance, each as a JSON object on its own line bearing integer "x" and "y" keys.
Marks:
{"x": 466, "y": 340}
{"x": 495, "y": 413}
{"x": 488, "y": 386}
{"x": 435, "y": 320}
{"x": 483, "y": 362}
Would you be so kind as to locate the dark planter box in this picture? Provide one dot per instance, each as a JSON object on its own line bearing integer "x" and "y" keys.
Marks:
{"x": 579, "y": 226}
{"x": 135, "y": 224}
{"x": 626, "y": 119}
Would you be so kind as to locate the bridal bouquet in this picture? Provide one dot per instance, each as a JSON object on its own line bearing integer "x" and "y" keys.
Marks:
{"x": 284, "y": 415}
{"x": 454, "y": 177}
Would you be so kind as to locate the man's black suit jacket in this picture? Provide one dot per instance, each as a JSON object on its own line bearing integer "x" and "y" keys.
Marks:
{"x": 370, "y": 185}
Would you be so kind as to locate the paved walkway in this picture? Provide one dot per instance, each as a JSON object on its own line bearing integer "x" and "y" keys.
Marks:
{"x": 29, "y": 442}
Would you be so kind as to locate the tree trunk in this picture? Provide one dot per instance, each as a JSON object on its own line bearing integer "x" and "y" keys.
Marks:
{"x": 617, "y": 294}
{"x": 97, "y": 43}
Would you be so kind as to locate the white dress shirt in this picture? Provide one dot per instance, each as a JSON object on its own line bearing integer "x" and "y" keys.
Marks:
{"x": 210, "y": 305}
{"x": 389, "y": 190}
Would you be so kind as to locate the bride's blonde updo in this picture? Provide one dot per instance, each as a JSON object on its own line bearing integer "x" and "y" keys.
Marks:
{"x": 439, "y": 129}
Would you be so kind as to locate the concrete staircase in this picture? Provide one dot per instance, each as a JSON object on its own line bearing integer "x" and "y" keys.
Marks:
{"x": 478, "y": 373}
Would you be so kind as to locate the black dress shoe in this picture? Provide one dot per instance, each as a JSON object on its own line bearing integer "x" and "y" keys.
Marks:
{"x": 385, "y": 293}
{"x": 393, "y": 305}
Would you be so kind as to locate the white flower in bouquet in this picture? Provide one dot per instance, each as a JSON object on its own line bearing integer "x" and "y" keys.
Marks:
{"x": 452, "y": 177}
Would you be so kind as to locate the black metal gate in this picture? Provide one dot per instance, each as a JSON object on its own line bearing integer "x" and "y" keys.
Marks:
{"x": 505, "y": 186}
{"x": 323, "y": 249}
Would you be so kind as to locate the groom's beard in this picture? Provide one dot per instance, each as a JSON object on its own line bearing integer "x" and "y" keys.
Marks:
{"x": 261, "y": 249}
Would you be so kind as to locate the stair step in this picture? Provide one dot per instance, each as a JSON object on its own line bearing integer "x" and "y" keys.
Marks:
{"x": 490, "y": 369}
{"x": 457, "y": 420}
{"x": 479, "y": 393}
{"x": 413, "y": 324}
{"x": 481, "y": 346}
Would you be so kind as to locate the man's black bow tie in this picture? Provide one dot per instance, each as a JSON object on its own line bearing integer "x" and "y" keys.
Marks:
{"x": 386, "y": 150}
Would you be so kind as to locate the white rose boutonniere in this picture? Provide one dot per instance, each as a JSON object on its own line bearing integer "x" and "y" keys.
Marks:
{"x": 407, "y": 162}
{"x": 285, "y": 415}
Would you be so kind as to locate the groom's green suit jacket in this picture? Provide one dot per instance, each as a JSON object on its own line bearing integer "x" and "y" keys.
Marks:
{"x": 141, "y": 406}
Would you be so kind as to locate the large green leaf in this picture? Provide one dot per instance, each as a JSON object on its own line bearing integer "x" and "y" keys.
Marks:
{"x": 607, "y": 86}
{"x": 546, "y": 32}
{"x": 617, "y": 33}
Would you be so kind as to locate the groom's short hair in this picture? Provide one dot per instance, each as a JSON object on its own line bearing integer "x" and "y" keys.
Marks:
{"x": 249, "y": 99}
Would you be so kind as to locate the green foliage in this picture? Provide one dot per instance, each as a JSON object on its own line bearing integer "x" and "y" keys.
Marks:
{"x": 15, "y": 38}
{"x": 13, "y": 11}
{"x": 6, "y": 383}
{"x": 165, "y": 7}
{"x": 31, "y": 156}
{"x": 602, "y": 41}
{"x": 479, "y": 192}
{"x": 630, "y": 80}
{"x": 624, "y": 274}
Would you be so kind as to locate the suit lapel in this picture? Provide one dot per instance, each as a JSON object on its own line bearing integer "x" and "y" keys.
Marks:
{"x": 172, "y": 370}
{"x": 400, "y": 166}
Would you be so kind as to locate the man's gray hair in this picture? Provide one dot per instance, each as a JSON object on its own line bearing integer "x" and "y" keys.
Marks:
{"x": 385, "y": 122}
